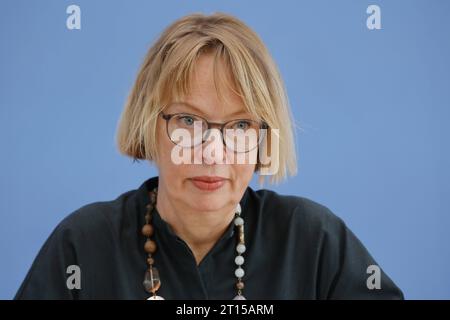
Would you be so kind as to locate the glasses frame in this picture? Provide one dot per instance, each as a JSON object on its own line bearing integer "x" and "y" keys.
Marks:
{"x": 210, "y": 124}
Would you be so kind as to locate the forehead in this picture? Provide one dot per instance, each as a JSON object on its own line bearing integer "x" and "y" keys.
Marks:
{"x": 211, "y": 92}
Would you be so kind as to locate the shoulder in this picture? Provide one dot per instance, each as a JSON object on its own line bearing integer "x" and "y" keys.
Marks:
{"x": 99, "y": 216}
{"x": 296, "y": 210}
{"x": 316, "y": 239}
{"x": 85, "y": 238}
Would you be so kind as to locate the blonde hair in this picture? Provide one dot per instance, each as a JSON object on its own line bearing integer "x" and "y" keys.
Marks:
{"x": 166, "y": 72}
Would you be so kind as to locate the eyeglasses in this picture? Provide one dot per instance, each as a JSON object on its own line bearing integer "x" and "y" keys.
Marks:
{"x": 189, "y": 130}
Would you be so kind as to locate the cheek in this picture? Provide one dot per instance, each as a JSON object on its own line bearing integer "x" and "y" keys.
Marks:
{"x": 243, "y": 173}
{"x": 165, "y": 151}
{"x": 164, "y": 146}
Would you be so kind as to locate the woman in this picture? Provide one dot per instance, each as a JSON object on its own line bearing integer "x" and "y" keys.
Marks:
{"x": 209, "y": 109}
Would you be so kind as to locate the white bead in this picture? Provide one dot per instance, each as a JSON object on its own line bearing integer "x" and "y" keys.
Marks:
{"x": 238, "y": 221}
{"x": 240, "y": 248}
{"x": 238, "y": 208}
{"x": 239, "y": 297}
{"x": 239, "y": 273}
{"x": 239, "y": 260}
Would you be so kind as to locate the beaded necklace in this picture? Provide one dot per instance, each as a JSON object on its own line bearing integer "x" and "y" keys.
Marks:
{"x": 152, "y": 280}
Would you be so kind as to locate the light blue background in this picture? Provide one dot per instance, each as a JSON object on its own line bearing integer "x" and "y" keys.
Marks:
{"x": 373, "y": 107}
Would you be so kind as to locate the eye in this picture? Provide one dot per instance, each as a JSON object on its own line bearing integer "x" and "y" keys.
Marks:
{"x": 243, "y": 125}
{"x": 186, "y": 120}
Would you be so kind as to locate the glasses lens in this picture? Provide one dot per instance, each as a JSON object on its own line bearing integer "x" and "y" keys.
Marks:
{"x": 243, "y": 135}
{"x": 186, "y": 130}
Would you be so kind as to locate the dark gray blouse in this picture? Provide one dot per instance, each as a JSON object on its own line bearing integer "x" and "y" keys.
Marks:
{"x": 296, "y": 249}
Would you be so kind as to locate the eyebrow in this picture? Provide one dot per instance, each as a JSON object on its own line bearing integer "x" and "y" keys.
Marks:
{"x": 198, "y": 110}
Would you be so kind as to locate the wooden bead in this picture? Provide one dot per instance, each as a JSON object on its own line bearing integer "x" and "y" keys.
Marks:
{"x": 241, "y": 234}
{"x": 150, "y": 246}
{"x": 240, "y": 285}
{"x": 147, "y": 230}
{"x": 150, "y": 261}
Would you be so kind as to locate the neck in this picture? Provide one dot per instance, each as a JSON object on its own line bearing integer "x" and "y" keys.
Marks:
{"x": 200, "y": 230}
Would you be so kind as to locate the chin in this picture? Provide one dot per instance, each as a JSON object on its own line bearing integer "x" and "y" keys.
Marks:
{"x": 208, "y": 202}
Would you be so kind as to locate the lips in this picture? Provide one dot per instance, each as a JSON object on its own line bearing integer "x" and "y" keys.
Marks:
{"x": 208, "y": 183}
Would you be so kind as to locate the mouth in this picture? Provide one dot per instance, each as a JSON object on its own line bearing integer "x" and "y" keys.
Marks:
{"x": 208, "y": 183}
